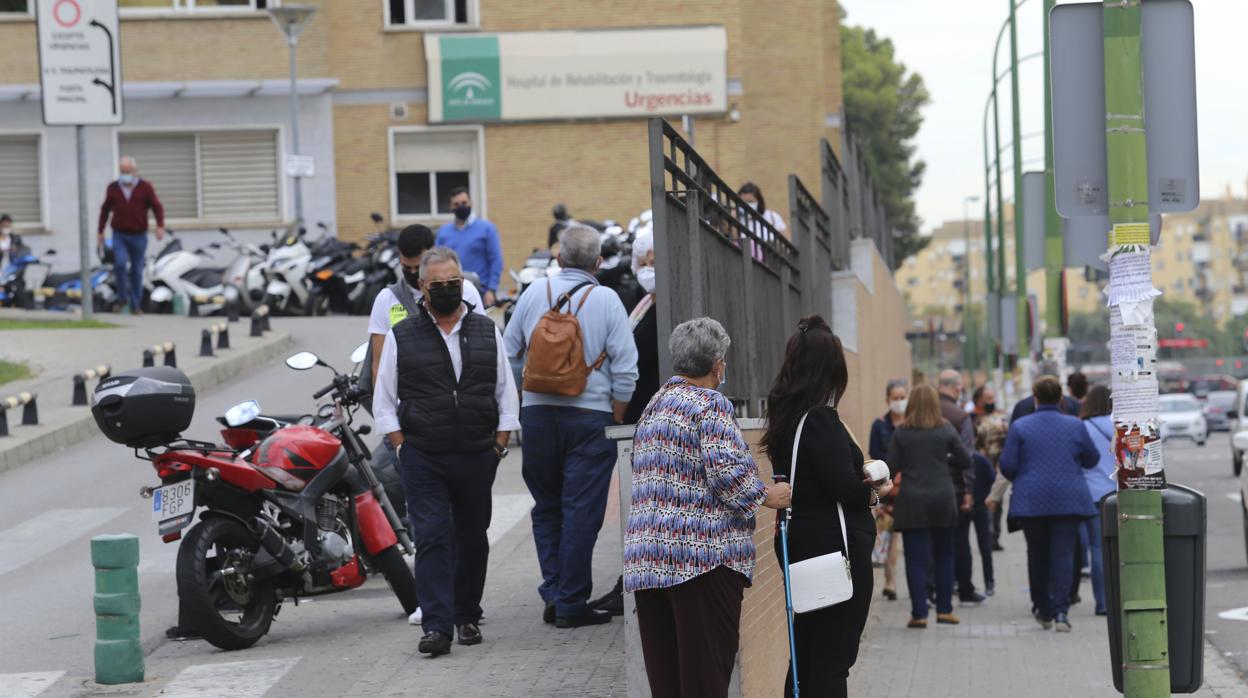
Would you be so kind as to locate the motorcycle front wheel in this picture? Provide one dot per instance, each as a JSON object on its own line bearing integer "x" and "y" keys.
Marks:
{"x": 398, "y": 575}
{"x": 218, "y": 595}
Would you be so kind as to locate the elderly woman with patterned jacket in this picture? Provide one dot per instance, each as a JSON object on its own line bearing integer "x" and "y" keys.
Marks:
{"x": 689, "y": 548}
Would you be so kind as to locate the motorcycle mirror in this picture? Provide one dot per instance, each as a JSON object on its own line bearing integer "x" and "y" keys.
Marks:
{"x": 376, "y": 217}
{"x": 360, "y": 353}
{"x": 50, "y": 252}
{"x": 302, "y": 361}
{"x": 242, "y": 413}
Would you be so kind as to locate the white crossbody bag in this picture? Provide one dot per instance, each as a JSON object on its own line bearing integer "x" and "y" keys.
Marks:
{"x": 821, "y": 581}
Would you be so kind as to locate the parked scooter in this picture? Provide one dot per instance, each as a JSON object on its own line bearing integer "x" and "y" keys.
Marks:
{"x": 21, "y": 277}
{"x": 177, "y": 276}
{"x": 245, "y": 276}
{"x": 297, "y": 512}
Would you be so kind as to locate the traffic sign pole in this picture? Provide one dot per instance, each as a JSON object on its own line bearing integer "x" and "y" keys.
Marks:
{"x": 1020, "y": 203}
{"x": 1141, "y": 549}
{"x": 84, "y": 229}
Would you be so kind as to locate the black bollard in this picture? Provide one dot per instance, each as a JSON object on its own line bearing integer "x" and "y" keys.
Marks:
{"x": 257, "y": 324}
{"x": 80, "y": 391}
{"x": 205, "y": 343}
{"x": 232, "y": 310}
{"x": 149, "y": 359}
{"x": 171, "y": 359}
{"x": 223, "y": 336}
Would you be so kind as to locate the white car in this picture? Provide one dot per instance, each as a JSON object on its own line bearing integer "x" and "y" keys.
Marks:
{"x": 1183, "y": 417}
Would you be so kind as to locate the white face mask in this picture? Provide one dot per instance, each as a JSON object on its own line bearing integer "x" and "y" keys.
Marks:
{"x": 752, "y": 204}
{"x": 645, "y": 277}
{"x": 898, "y": 407}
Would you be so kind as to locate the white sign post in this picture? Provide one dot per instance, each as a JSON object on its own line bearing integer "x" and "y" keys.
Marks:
{"x": 80, "y": 77}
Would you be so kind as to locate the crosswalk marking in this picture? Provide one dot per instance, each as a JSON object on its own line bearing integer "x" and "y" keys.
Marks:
{"x": 27, "y": 685}
{"x": 47, "y": 531}
{"x": 508, "y": 510}
{"x": 235, "y": 679}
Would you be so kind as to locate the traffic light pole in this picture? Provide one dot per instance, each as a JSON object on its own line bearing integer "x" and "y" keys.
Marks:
{"x": 1054, "y": 255}
{"x": 1146, "y": 669}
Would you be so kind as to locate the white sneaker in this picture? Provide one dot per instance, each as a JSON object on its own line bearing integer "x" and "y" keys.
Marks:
{"x": 415, "y": 618}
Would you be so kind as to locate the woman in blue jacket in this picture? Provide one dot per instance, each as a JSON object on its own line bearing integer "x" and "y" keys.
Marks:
{"x": 1095, "y": 412}
{"x": 1044, "y": 456}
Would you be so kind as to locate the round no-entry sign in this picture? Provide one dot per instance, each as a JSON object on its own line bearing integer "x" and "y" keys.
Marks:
{"x": 66, "y": 13}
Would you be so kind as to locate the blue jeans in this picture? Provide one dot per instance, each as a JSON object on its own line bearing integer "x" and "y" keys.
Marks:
{"x": 1051, "y": 561}
{"x": 1090, "y": 534}
{"x": 129, "y": 256}
{"x": 449, "y": 504}
{"x": 568, "y": 465}
{"x": 925, "y": 549}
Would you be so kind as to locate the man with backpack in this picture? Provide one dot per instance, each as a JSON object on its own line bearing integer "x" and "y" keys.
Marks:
{"x": 574, "y": 340}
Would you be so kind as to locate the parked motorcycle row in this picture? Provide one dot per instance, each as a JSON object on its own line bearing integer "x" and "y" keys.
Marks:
{"x": 292, "y": 274}
{"x": 283, "y": 507}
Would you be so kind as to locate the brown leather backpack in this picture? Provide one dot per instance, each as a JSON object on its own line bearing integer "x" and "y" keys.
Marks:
{"x": 555, "y": 361}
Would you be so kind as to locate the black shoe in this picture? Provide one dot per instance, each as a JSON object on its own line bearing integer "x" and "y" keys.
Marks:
{"x": 890, "y": 594}
{"x": 1075, "y": 598}
{"x": 182, "y": 633}
{"x": 998, "y": 548}
{"x": 1062, "y": 623}
{"x": 972, "y": 599}
{"x": 548, "y": 613}
{"x": 589, "y": 617}
{"x": 612, "y": 602}
{"x": 435, "y": 644}
{"x": 469, "y": 634}
{"x": 990, "y": 589}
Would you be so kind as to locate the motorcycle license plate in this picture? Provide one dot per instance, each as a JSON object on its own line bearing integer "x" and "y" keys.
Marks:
{"x": 173, "y": 501}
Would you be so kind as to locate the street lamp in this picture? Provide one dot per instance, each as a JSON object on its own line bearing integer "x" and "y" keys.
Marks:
{"x": 291, "y": 19}
{"x": 970, "y": 349}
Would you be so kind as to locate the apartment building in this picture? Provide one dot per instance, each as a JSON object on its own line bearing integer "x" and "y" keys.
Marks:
{"x": 528, "y": 104}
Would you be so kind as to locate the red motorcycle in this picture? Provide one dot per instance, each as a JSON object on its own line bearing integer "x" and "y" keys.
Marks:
{"x": 285, "y": 510}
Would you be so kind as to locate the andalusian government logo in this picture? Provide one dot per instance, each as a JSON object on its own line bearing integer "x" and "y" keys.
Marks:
{"x": 470, "y": 78}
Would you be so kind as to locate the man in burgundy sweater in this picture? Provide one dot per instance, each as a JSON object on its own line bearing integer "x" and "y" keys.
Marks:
{"x": 128, "y": 201}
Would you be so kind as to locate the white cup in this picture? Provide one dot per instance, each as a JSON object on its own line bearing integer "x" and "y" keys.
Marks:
{"x": 877, "y": 470}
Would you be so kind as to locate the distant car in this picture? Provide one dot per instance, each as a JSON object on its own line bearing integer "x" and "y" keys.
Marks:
{"x": 1218, "y": 408}
{"x": 1182, "y": 418}
{"x": 1238, "y": 423}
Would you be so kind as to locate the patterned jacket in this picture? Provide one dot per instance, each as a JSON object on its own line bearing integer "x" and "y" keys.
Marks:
{"x": 695, "y": 490}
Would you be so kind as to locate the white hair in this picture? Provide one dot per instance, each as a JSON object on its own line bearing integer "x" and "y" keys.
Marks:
{"x": 127, "y": 160}
{"x": 642, "y": 245}
{"x": 696, "y": 345}
{"x": 438, "y": 255}
{"x": 580, "y": 246}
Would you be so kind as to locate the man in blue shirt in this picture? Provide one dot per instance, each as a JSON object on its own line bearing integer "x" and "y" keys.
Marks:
{"x": 476, "y": 242}
{"x": 568, "y": 460}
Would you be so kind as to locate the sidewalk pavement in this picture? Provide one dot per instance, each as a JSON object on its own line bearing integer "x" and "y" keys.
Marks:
{"x": 56, "y": 355}
{"x": 998, "y": 650}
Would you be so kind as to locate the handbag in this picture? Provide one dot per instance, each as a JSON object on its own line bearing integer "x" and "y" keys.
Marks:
{"x": 825, "y": 580}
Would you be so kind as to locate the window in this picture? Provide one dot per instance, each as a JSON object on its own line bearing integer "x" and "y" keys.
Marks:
{"x": 20, "y": 193}
{"x": 428, "y": 165}
{"x": 217, "y": 176}
{"x": 430, "y": 13}
{"x": 25, "y": 7}
{"x": 196, "y": 5}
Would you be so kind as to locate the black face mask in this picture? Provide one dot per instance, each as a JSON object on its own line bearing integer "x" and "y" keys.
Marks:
{"x": 445, "y": 300}
{"x": 412, "y": 278}
{"x": 990, "y": 407}
{"x": 462, "y": 212}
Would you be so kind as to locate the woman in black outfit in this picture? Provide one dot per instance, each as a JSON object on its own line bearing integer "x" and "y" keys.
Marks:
{"x": 829, "y": 465}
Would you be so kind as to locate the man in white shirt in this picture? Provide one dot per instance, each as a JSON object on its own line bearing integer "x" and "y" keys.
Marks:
{"x": 398, "y": 300}
{"x": 446, "y": 400}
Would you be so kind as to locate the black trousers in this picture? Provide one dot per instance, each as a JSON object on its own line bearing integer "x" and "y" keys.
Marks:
{"x": 827, "y": 639}
{"x": 963, "y": 562}
{"x": 690, "y": 633}
{"x": 449, "y": 506}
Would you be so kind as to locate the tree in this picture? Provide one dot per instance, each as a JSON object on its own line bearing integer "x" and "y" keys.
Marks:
{"x": 883, "y": 103}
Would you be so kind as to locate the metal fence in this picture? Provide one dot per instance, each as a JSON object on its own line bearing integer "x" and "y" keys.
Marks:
{"x": 718, "y": 257}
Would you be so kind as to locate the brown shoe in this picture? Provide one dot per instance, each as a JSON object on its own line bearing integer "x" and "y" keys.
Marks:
{"x": 947, "y": 619}
{"x": 919, "y": 623}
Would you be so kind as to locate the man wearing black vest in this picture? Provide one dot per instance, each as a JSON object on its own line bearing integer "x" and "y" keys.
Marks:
{"x": 446, "y": 399}
{"x": 950, "y": 389}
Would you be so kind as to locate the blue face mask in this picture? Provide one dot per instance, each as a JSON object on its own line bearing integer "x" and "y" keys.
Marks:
{"x": 126, "y": 179}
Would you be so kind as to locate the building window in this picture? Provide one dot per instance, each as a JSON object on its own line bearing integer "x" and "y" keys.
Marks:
{"x": 21, "y": 7}
{"x": 195, "y": 5}
{"x": 217, "y": 176}
{"x": 430, "y": 13}
{"x": 20, "y": 192}
{"x": 428, "y": 165}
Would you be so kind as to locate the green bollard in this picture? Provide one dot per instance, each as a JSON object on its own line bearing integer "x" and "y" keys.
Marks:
{"x": 118, "y": 653}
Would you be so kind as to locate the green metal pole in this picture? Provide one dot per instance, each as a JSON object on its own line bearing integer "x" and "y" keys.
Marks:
{"x": 1020, "y": 266}
{"x": 970, "y": 356}
{"x": 990, "y": 283}
{"x": 1054, "y": 256}
{"x": 1141, "y": 549}
{"x": 996, "y": 129}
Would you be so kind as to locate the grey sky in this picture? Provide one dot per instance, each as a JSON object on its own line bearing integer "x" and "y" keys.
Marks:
{"x": 950, "y": 45}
